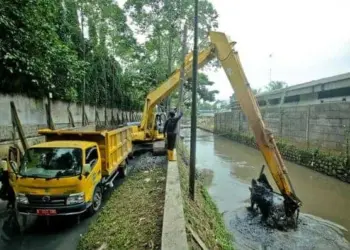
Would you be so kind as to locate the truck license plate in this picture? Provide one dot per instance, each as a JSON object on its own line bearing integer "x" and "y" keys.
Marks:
{"x": 46, "y": 211}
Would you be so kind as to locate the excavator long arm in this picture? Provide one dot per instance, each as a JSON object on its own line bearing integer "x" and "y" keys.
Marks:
{"x": 223, "y": 49}
{"x": 230, "y": 61}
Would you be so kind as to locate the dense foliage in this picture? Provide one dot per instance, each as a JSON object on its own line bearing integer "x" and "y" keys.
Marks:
{"x": 77, "y": 48}
{"x": 162, "y": 24}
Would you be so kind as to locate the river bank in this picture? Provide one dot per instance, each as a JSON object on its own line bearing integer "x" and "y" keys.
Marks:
{"x": 133, "y": 215}
{"x": 202, "y": 215}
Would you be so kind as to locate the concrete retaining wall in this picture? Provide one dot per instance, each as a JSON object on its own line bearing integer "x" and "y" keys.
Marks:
{"x": 32, "y": 114}
{"x": 174, "y": 229}
{"x": 323, "y": 126}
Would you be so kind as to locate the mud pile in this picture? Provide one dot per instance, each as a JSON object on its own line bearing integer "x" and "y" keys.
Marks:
{"x": 147, "y": 161}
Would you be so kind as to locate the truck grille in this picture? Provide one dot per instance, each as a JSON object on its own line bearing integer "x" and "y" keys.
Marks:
{"x": 47, "y": 200}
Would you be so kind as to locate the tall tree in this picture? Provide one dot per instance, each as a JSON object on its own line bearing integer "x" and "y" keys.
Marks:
{"x": 162, "y": 22}
{"x": 204, "y": 94}
{"x": 274, "y": 85}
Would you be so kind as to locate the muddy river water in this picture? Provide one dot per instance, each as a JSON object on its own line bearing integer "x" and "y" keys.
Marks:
{"x": 325, "y": 213}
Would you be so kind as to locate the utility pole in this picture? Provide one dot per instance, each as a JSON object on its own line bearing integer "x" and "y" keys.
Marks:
{"x": 106, "y": 92}
{"x": 84, "y": 84}
{"x": 112, "y": 97}
{"x": 170, "y": 61}
{"x": 170, "y": 48}
{"x": 194, "y": 106}
{"x": 182, "y": 73}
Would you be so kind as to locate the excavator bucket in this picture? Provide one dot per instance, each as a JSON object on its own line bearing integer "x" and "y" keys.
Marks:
{"x": 276, "y": 211}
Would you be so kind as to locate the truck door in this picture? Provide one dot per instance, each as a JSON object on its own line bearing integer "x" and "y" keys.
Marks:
{"x": 92, "y": 158}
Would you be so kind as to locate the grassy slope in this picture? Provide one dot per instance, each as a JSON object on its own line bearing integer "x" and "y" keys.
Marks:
{"x": 133, "y": 215}
{"x": 202, "y": 214}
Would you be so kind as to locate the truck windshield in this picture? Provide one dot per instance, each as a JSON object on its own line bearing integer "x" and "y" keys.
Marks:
{"x": 51, "y": 162}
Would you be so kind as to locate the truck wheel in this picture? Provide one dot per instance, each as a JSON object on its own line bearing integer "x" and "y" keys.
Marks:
{"x": 96, "y": 201}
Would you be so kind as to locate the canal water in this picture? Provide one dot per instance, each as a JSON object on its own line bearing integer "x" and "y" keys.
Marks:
{"x": 325, "y": 213}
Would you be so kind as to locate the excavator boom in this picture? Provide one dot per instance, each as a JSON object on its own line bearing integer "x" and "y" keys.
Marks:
{"x": 230, "y": 62}
{"x": 223, "y": 49}
{"x": 164, "y": 90}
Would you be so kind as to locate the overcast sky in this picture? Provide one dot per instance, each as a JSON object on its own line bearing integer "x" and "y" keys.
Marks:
{"x": 308, "y": 39}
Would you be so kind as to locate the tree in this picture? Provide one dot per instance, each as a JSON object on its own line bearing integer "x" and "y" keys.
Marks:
{"x": 51, "y": 54}
{"x": 163, "y": 23}
{"x": 204, "y": 94}
{"x": 274, "y": 85}
{"x": 33, "y": 56}
{"x": 233, "y": 97}
{"x": 84, "y": 49}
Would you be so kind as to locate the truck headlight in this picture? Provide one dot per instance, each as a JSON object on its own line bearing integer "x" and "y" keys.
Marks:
{"x": 22, "y": 198}
{"x": 75, "y": 198}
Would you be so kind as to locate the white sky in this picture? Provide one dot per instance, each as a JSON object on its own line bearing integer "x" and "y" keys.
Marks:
{"x": 309, "y": 39}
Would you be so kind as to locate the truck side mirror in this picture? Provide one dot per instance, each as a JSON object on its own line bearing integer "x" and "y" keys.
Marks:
{"x": 13, "y": 166}
{"x": 86, "y": 169}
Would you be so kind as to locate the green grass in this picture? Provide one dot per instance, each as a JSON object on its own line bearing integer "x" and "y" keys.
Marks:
{"x": 202, "y": 214}
{"x": 133, "y": 215}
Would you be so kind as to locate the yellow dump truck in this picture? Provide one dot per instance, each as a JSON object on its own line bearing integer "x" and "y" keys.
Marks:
{"x": 67, "y": 174}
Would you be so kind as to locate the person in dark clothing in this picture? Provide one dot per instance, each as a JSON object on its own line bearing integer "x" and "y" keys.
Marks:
{"x": 6, "y": 191}
{"x": 170, "y": 129}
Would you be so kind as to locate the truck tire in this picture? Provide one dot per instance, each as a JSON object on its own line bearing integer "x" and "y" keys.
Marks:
{"x": 96, "y": 201}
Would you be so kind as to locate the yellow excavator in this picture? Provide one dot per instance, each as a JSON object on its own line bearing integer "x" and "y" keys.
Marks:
{"x": 221, "y": 48}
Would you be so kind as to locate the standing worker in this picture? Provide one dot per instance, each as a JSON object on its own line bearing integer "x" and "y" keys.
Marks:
{"x": 6, "y": 191}
{"x": 170, "y": 130}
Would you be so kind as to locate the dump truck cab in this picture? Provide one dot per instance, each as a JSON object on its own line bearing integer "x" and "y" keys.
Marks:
{"x": 67, "y": 177}
{"x": 64, "y": 174}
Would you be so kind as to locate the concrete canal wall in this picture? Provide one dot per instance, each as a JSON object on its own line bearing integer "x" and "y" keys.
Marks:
{"x": 32, "y": 114}
{"x": 315, "y": 156}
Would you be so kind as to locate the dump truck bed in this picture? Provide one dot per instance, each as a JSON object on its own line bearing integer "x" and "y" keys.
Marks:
{"x": 114, "y": 145}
